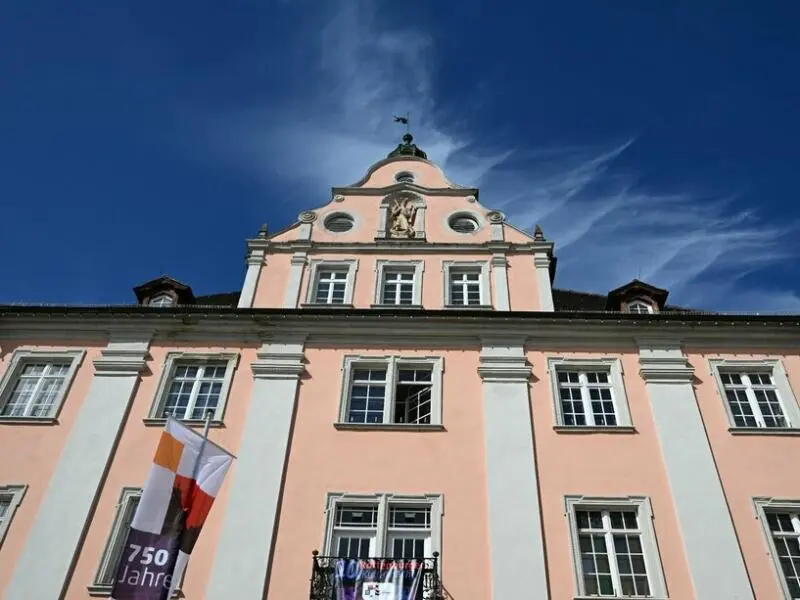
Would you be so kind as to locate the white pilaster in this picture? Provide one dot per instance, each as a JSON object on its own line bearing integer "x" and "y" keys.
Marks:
{"x": 542, "y": 264}
{"x": 49, "y": 553}
{"x": 254, "y": 263}
{"x": 704, "y": 520}
{"x": 245, "y": 544}
{"x": 299, "y": 262}
{"x": 515, "y": 527}
{"x": 500, "y": 275}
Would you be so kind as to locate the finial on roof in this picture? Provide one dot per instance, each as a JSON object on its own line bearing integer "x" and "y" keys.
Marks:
{"x": 263, "y": 231}
{"x": 407, "y": 147}
{"x": 538, "y": 234}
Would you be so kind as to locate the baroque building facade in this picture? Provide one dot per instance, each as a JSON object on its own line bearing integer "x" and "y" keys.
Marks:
{"x": 398, "y": 377}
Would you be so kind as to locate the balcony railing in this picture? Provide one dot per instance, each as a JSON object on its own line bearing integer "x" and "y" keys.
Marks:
{"x": 323, "y": 577}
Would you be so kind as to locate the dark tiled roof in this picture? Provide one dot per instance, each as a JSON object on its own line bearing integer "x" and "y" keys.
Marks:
{"x": 571, "y": 301}
{"x": 228, "y": 299}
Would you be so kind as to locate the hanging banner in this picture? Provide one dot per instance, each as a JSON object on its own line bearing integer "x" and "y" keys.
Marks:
{"x": 376, "y": 579}
{"x": 186, "y": 475}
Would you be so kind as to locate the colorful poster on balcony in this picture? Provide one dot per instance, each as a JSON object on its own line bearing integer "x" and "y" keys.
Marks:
{"x": 184, "y": 479}
{"x": 375, "y": 579}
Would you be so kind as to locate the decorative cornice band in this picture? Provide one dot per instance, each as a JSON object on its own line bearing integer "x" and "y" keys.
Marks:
{"x": 271, "y": 365}
{"x": 666, "y": 370}
{"x": 506, "y": 369}
{"x": 120, "y": 362}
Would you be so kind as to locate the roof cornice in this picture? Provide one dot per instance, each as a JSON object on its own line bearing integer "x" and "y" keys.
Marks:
{"x": 545, "y": 329}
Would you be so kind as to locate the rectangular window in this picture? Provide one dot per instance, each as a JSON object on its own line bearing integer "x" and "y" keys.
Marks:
{"x": 331, "y": 286}
{"x": 126, "y": 509}
{"x": 10, "y": 498}
{"x": 753, "y": 399}
{"x": 615, "y": 550}
{"x": 465, "y": 287}
{"x": 384, "y": 526}
{"x": 757, "y": 394}
{"x": 392, "y": 390}
{"x": 781, "y": 522}
{"x": 784, "y": 528}
{"x": 36, "y": 383}
{"x": 36, "y": 390}
{"x": 466, "y": 283}
{"x": 586, "y": 398}
{"x": 397, "y": 286}
{"x": 193, "y": 384}
{"x": 589, "y": 392}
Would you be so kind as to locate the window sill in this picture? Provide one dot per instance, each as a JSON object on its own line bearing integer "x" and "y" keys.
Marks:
{"x": 104, "y": 591}
{"x": 764, "y": 431}
{"x": 388, "y": 427}
{"x": 594, "y": 429}
{"x": 325, "y": 305}
{"x": 396, "y": 306}
{"x": 620, "y": 597}
{"x": 28, "y": 420}
{"x": 469, "y": 307}
{"x": 160, "y": 422}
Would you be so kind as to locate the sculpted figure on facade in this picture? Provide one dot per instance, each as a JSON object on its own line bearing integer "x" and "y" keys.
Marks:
{"x": 401, "y": 216}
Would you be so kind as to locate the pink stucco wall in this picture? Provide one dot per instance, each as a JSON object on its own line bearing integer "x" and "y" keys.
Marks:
{"x": 323, "y": 460}
{"x": 31, "y": 452}
{"x": 612, "y": 465}
{"x": 750, "y": 466}
{"x": 132, "y": 462}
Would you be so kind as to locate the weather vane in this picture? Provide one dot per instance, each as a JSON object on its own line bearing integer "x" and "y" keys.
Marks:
{"x": 405, "y": 121}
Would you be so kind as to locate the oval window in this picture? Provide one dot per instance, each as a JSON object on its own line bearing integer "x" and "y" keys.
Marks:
{"x": 339, "y": 223}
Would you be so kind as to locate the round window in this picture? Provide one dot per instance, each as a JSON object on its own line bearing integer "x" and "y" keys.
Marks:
{"x": 404, "y": 177}
{"x": 339, "y": 223}
{"x": 463, "y": 223}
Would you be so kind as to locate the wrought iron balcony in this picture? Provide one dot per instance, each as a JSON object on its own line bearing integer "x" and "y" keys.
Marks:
{"x": 324, "y": 576}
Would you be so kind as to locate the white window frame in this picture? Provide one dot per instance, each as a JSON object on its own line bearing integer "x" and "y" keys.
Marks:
{"x": 106, "y": 569}
{"x": 22, "y": 357}
{"x": 107, "y": 566}
{"x": 644, "y": 510}
{"x": 639, "y": 303}
{"x": 482, "y": 266}
{"x": 763, "y": 505}
{"x": 783, "y": 389}
{"x": 351, "y": 266}
{"x": 175, "y": 359}
{"x": 615, "y": 376}
{"x": 15, "y": 494}
{"x": 381, "y": 266}
{"x": 392, "y": 364}
{"x": 155, "y": 301}
{"x": 384, "y": 501}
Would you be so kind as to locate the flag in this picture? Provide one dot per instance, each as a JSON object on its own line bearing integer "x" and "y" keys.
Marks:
{"x": 403, "y": 120}
{"x": 186, "y": 475}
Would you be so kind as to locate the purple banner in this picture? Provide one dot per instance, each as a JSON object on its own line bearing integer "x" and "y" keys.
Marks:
{"x": 146, "y": 566}
{"x": 377, "y": 579}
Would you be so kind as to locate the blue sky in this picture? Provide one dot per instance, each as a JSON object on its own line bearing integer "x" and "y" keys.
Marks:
{"x": 649, "y": 139}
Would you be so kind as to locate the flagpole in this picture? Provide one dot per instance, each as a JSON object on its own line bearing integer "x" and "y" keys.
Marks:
{"x": 206, "y": 427}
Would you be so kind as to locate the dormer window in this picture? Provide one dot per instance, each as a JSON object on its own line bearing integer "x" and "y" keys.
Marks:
{"x": 162, "y": 299}
{"x": 639, "y": 307}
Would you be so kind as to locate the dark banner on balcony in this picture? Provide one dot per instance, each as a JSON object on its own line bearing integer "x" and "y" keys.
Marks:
{"x": 376, "y": 579}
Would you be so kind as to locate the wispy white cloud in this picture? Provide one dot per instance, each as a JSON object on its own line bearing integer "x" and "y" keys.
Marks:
{"x": 608, "y": 228}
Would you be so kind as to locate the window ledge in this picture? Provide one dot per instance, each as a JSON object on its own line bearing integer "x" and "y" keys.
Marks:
{"x": 469, "y": 307}
{"x": 388, "y": 427}
{"x": 764, "y": 430}
{"x": 594, "y": 429}
{"x": 396, "y": 306}
{"x": 104, "y": 591}
{"x": 160, "y": 422}
{"x": 28, "y": 420}
{"x": 324, "y": 305}
{"x": 615, "y": 597}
